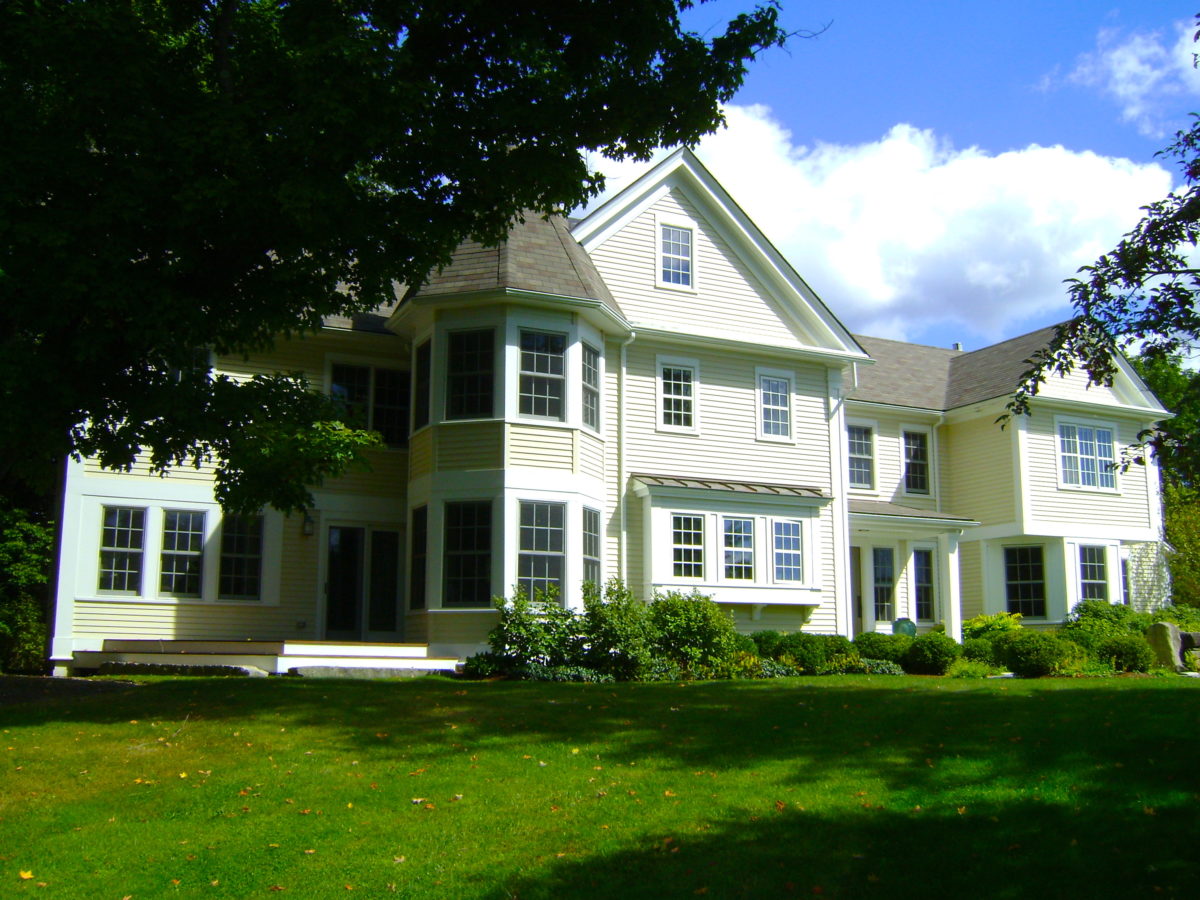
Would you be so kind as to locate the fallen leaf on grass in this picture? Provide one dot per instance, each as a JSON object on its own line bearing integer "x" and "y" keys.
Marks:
{"x": 26, "y": 875}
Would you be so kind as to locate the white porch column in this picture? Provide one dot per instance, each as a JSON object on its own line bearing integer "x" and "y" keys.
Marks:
{"x": 952, "y": 591}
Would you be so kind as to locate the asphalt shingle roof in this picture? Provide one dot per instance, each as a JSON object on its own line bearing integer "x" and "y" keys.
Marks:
{"x": 539, "y": 255}
{"x": 925, "y": 377}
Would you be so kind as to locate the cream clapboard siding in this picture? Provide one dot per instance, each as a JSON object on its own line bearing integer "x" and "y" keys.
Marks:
{"x": 977, "y": 474}
{"x": 727, "y": 300}
{"x": 775, "y": 618}
{"x": 470, "y": 445}
{"x": 970, "y": 573}
{"x": 591, "y": 455}
{"x": 538, "y": 447}
{"x": 420, "y": 453}
{"x": 1050, "y": 503}
{"x": 727, "y": 446}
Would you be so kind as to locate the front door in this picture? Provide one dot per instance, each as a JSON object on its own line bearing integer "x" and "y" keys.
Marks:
{"x": 362, "y": 584}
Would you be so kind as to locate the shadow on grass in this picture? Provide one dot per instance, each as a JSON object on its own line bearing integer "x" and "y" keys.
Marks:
{"x": 1018, "y": 851}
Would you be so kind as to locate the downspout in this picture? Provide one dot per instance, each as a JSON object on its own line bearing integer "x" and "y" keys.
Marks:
{"x": 622, "y": 475}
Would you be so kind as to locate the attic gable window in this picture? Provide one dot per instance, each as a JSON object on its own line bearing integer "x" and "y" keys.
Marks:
{"x": 676, "y": 267}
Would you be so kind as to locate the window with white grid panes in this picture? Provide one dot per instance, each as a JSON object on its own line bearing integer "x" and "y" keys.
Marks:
{"x": 923, "y": 584}
{"x": 788, "y": 550}
{"x": 916, "y": 462}
{"x": 467, "y": 554}
{"x": 739, "y": 548}
{"x": 775, "y": 409}
{"x": 122, "y": 543}
{"x": 591, "y": 545}
{"x": 543, "y": 374}
{"x": 687, "y": 546}
{"x": 182, "y": 559}
{"x": 470, "y": 374}
{"x": 883, "y": 561}
{"x": 860, "y": 439}
{"x": 1087, "y": 456}
{"x": 1093, "y": 573}
{"x": 677, "y": 387}
{"x": 542, "y": 558}
{"x": 676, "y": 261}
{"x": 591, "y": 387}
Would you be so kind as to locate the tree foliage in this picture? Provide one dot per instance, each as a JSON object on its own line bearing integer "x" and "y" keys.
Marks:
{"x": 177, "y": 175}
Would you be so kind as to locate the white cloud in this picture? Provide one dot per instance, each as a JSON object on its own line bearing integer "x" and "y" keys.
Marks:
{"x": 910, "y": 238}
{"x": 1146, "y": 73}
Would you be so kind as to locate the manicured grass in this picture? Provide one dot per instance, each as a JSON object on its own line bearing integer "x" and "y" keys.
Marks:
{"x": 835, "y": 787}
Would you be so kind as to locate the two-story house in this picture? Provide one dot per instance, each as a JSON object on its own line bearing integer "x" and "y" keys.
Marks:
{"x": 650, "y": 393}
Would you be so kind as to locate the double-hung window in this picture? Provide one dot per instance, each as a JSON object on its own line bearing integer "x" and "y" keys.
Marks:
{"x": 591, "y": 545}
{"x": 916, "y": 462}
{"x": 542, "y": 558}
{"x": 241, "y": 558}
{"x": 1086, "y": 456}
{"x": 122, "y": 539}
{"x": 687, "y": 546}
{"x": 1093, "y": 574}
{"x": 676, "y": 267}
{"x": 182, "y": 560}
{"x": 543, "y": 374}
{"x": 774, "y": 405}
{"x": 677, "y": 396}
{"x": 884, "y": 577}
{"x": 467, "y": 557}
{"x": 377, "y": 399}
{"x": 923, "y": 584}
{"x": 422, "y": 383}
{"x": 591, "y": 387}
{"x": 788, "y": 551}
{"x": 739, "y": 548}
{"x": 470, "y": 374}
{"x": 861, "y": 441}
{"x": 1025, "y": 581}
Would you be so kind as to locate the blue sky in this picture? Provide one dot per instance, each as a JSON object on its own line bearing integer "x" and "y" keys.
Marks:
{"x": 935, "y": 170}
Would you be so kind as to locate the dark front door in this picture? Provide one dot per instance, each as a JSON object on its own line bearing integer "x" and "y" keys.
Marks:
{"x": 362, "y": 584}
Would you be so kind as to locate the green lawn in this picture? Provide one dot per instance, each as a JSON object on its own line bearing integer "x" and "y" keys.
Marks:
{"x": 835, "y": 787}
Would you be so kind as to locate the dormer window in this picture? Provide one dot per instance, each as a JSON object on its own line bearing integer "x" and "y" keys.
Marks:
{"x": 676, "y": 268}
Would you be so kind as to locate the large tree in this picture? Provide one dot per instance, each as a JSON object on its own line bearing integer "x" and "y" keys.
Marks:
{"x": 177, "y": 174}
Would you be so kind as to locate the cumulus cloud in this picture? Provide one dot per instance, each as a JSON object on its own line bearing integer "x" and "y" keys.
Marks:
{"x": 1147, "y": 73}
{"x": 910, "y": 238}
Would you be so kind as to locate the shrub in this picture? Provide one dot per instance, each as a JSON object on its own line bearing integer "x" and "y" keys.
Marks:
{"x": 988, "y": 626}
{"x": 538, "y": 631}
{"x": 1186, "y": 617}
{"x": 970, "y": 668}
{"x": 1126, "y": 652}
{"x": 484, "y": 665}
{"x": 981, "y": 650}
{"x": 618, "y": 633}
{"x": 767, "y": 643}
{"x": 773, "y": 668}
{"x": 535, "y": 672}
{"x": 740, "y": 665}
{"x": 804, "y": 651}
{"x": 1035, "y": 654}
{"x": 837, "y": 645}
{"x": 843, "y": 664}
{"x": 1092, "y": 622}
{"x": 931, "y": 654}
{"x": 874, "y": 645}
{"x": 880, "y": 667}
{"x": 692, "y": 631}
{"x": 745, "y": 644}
{"x": 26, "y": 554}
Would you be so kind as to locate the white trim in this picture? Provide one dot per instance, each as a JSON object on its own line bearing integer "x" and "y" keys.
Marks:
{"x": 1095, "y": 425}
{"x": 930, "y": 465}
{"x": 873, "y": 425}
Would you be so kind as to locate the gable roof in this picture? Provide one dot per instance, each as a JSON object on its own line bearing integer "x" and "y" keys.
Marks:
{"x": 539, "y": 256}
{"x": 683, "y": 171}
{"x": 934, "y": 378}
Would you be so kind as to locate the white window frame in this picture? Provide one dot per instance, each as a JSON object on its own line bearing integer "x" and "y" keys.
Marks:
{"x": 373, "y": 365}
{"x": 561, "y": 379}
{"x": 1045, "y": 581}
{"x": 177, "y": 552}
{"x": 660, "y": 223}
{"x": 906, "y": 430}
{"x": 874, "y": 429}
{"x": 1096, "y": 425}
{"x": 676, "y": 362}
{"x": 594, "y": 390}
{"x": 760, "y": 375}
{"x": 773, "y": 551}
{"x": 935, "y": 584}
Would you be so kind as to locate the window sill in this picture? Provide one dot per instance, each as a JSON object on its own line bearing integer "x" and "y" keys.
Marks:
{"x": 1084, "y": 489}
